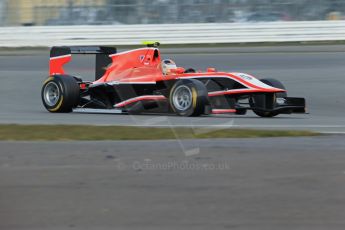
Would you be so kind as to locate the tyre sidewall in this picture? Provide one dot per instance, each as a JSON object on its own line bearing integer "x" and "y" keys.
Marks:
{"x": 58, "y": 104}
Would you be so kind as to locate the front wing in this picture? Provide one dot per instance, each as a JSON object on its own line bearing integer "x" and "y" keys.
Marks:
{"x": 286, "y": 105}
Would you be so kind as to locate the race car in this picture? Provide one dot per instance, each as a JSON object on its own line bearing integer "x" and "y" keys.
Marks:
{"x": 139, "y": 81}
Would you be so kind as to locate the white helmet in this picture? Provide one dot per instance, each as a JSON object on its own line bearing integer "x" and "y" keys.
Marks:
{"x": 167, "y": 65}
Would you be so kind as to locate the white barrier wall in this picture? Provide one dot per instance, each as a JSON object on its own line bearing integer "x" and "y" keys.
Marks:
{"x": 173, "y": 33}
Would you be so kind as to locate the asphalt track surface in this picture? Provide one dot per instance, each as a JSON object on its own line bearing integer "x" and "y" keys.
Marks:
{"x": 268, "y": 184}
{"x": 316, "y": 73}
{"x": 261, "y": 184}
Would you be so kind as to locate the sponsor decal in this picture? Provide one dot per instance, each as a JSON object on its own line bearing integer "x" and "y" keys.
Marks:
{"x": 245, "y": 76}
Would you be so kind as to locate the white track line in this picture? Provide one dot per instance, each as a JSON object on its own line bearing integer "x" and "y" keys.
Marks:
{"x": 335, "y": 133}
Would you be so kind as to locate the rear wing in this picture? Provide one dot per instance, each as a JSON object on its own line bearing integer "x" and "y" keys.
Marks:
{"x": 61, "y": 55}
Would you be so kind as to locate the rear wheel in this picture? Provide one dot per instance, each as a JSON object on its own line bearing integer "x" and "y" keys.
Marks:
{"x": 60, "y": 94}
{"x": 259, "y": 99}
{"x": 189, "y": 97}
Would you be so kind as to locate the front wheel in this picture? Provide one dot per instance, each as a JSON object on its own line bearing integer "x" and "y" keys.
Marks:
{"x": 259, "y": 99}
{"x": 189, "y": 97}
{"x": 60, "y": 94}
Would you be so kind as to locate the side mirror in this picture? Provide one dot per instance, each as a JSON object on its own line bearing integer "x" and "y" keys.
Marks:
{"x": 178, "y": 70}
{"x": 211, "y": 70}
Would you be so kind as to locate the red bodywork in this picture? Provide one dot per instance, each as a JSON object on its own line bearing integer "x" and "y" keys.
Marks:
{"x": 144, "y": 66}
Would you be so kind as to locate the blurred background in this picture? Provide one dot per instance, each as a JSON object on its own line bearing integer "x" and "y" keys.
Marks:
{"x": 112, "y": 12}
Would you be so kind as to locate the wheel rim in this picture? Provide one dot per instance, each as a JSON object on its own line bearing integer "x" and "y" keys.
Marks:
{"x": 182, "y": 98}
{"x": 51, "y": 94}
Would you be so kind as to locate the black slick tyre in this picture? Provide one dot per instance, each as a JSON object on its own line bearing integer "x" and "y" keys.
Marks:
{"x": 60, "y": 94}
{"x": 189, "y": 98}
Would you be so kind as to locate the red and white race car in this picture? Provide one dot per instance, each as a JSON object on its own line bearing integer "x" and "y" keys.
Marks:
{"x": 138, "y": 81}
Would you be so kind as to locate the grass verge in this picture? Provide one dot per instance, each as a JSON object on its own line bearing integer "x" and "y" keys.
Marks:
{"x": 97, "y": 133}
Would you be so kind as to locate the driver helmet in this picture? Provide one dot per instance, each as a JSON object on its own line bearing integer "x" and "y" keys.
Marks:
{"x": 167, "y": 66}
